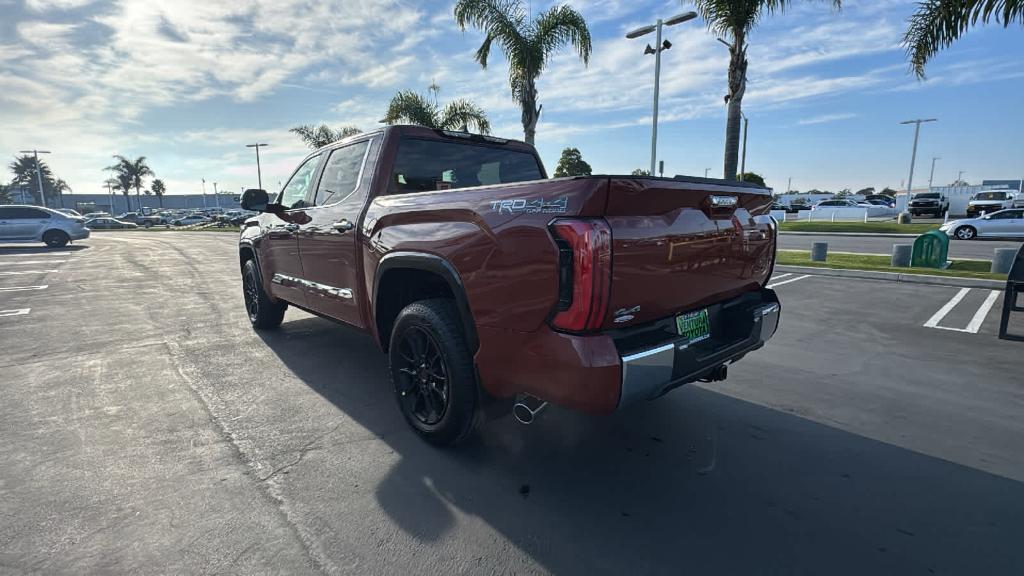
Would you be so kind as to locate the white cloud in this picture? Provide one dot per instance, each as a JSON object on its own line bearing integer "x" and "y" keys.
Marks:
{"x": 826, "y": 118}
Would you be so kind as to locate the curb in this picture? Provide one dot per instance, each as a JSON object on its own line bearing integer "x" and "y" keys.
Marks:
{"x": 897, "y": 277}
{"x": 853, "y": 234}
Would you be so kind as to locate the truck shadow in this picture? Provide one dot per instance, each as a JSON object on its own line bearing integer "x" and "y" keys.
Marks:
{"x": 697, "y": 482}
{"x": 40, "y": 249}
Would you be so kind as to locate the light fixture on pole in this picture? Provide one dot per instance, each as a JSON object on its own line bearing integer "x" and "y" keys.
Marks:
{"x": 913, "y": 157}
{"x": 39, "y": 173}
{"x": 259, "y": 176}
{"x": 659, "y": 46}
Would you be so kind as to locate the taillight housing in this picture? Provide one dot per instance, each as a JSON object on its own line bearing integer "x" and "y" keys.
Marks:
{"x": 584, "y": 273}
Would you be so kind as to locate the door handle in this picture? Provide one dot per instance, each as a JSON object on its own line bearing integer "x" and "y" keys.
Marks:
{"x": 343, "y": 225}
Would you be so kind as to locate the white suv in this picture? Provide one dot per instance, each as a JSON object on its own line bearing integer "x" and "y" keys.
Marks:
{"x": 37, "y": 224}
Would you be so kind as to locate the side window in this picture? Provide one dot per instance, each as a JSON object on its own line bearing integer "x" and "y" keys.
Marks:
{"x": 6, "y": 213}
{"x": 35, "y": 214}
{"x": 341, "y": 174}
{"x": 293, "y": 195}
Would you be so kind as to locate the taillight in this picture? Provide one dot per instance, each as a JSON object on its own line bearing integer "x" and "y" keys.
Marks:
{"x": 585, "y": 272}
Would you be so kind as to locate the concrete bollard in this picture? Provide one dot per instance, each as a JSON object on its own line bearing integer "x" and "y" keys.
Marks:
{"x": 901, "y": 255}
{"x": 819, "y": 251}
{"x": 1002, "y": 260}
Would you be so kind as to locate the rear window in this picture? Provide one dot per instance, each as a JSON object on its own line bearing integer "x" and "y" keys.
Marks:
{"x": 423, "y": 165}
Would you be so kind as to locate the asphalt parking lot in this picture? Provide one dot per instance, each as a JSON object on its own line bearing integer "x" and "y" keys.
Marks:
{"x": 148, "y": 429}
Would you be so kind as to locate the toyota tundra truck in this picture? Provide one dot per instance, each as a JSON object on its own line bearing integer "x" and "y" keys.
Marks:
{"x": 487, "y": 284}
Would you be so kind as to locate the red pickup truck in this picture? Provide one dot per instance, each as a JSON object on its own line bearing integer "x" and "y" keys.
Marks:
{"x": 484, "y": 280}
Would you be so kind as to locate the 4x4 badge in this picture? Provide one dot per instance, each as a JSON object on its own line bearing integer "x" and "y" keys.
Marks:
{"x": 625, "y": 314}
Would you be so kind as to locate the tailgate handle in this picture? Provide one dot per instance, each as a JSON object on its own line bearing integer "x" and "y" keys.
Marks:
{"x": 720, "y": 206}
{"x": 723, "y": 201}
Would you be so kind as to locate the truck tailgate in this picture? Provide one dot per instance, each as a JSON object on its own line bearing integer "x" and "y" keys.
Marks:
{"x": 678, "y": 245}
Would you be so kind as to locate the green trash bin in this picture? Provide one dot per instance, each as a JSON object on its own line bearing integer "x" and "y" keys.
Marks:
{"x": 930, "y": 250}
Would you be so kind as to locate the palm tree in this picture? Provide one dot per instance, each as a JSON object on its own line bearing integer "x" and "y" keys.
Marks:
{"x": 60, "y": 187}
{"x": 122, "y": 182}
{"x": 412, "y": 108}
{"x": 132, "y": 172}
{"x": 5, "y": 194}
{"x": 322, "y": 135}
{"x": 158, "y": 188}
{"x": 938, "y": 23}
{"x": 529, "y": 44}
{"x": 735, "y": 19}
{"x": 24, "y": 170}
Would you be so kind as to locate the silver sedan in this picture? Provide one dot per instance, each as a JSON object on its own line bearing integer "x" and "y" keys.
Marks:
{"x": 1002, "y": 224}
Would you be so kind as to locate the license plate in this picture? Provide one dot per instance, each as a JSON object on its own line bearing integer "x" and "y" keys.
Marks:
{"x": 694, "y": 325}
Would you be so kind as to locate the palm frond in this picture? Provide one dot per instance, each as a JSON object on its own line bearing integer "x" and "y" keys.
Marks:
{"x": 938, "y": 23}
{"x": 559, "y": 26}
{"x": 408, "y": 106}
{"x": 501, "y": 20}
{"x": 462, "y": 114}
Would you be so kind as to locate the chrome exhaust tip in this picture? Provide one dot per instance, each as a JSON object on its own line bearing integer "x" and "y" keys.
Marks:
{"x": 527, "y": 408}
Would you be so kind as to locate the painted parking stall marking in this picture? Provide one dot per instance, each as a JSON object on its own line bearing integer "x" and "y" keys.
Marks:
{"x": 787, "y": 281}
{"x": 976, "y": 321}
{"x": 16, "y": 272}
{"x": 34, "y": 262}
{"x": 23, "y": 288}
{"x": 17, "y": 312}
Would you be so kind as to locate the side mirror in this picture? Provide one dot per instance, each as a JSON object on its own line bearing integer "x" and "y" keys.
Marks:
{"x": 255, "y": 199}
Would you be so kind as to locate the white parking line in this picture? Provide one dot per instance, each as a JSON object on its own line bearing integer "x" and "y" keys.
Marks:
{"x": 781, "y": 276}
{"x": 17, "y": 312}
{"x": 976, "y": 321}
{"x": 9, "y": 273}
{"x": 774, "y": 284}
{"x": 36, "y": 262}
{"x": 23, "y": 288}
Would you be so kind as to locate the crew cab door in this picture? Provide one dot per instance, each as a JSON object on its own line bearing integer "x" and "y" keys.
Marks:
{"x": 280, "y": 262}
{"x": 328, "y": 242}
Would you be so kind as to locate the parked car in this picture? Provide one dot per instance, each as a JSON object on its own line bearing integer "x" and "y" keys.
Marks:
{"x": 483, "y": 280}
{"x": 1000, "y": 224}
{"x": 109, "y": 224}
{"x": 92, "y": 215}
{"x": 20, "y": 223}
{"x": 796, "y": 207}
{"x": 190, "y": 220}
{"x": 932, "y": 203}
{"x": 136, "y": 218}
{"x": 989, "y": 201}
{"x": 890, "y": 201}
{"x": 838, "y": 203}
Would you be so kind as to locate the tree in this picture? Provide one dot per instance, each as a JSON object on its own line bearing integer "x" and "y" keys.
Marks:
{"x": 888, "y": 191}
{"x": 60, "y": 187}
{"x": 843, "y": 193}
{"x": 572, "y": 164}
{"x": 639, "y": 172}
{"x": 5, "y": 194}
{"x": 24, "y": 170}
{"x": 412, "y": 108}
{"x": 529, "y": 45}
{"x": 735, "y": 19}
{"x": 866, "y": 191}
{"x": 322, "y": 135}
{"x": 158, "y": 188}
{"x": 131, "y": 174}
{"x": 752, "y": 177}
{"x": 938, "y": 23}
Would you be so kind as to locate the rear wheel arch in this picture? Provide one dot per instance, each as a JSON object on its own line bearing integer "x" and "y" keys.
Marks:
{"x": 406, "y": 277}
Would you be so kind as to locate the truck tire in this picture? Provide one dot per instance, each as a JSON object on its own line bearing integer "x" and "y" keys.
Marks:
{"x": 263, "y": 311}
{"x": 56, "y": 238}
{"x": 432, "y": 372}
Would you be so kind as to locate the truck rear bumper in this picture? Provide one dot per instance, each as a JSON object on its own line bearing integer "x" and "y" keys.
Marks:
{"x": 603, "y": 372}
{"x": 653, "y": 371}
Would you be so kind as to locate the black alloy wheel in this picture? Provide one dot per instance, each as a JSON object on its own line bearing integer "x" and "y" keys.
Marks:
{"x": 262, "y": 310}
{"x": 423, "y": 376}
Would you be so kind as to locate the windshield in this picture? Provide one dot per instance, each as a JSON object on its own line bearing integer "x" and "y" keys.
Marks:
{"x": 423, "y": 165}
{"x": 927, "y": 195}
{"x": 990, "y": 196}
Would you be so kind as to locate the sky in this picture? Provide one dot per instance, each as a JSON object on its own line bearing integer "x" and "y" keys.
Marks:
{"x": 188, "y": 83}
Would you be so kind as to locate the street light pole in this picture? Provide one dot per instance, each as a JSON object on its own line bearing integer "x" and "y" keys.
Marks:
{"x": 789, "y": 184}
{"x": 658, "y": 47}
{"x": 216, "y": 196}
{"x": 913, "y": 157}
{"x": 743, "y": 163}
{"x": 259, "y": 175}
{"x": 706, "y": 172}
{"x": 960, "y": 178}
{"x": 932, "y": 174}
{"x": 39, "y": 173}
